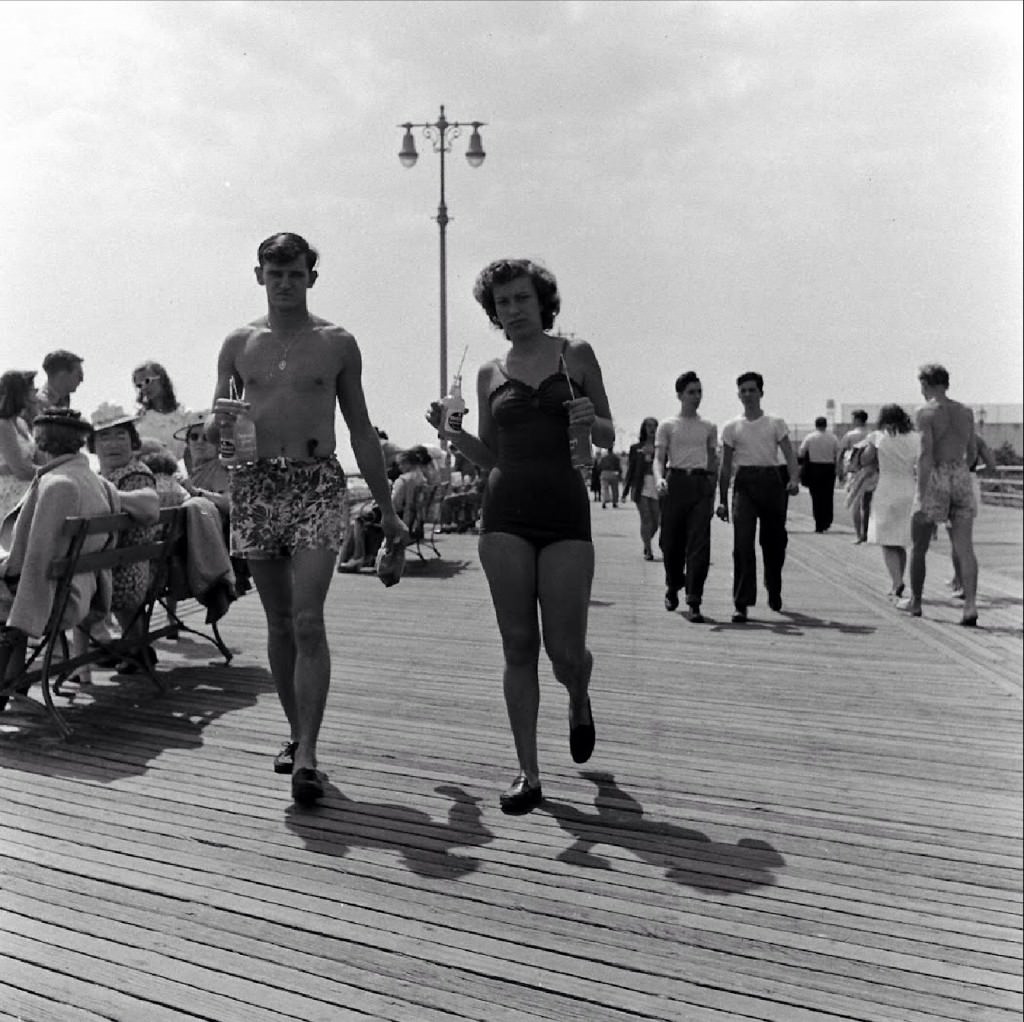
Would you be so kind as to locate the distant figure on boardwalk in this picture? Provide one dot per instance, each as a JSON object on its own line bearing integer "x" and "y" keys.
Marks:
{"x": 894, "y": 448}
{"x": 820, "y": 453}
{"x": 986, "y": 458}
{"x": 944, "y": 489}
{"x": 287, "y": 507}
{"x": 685, "y": 466}
{"x": 750, "y": 442}
{"x": 849, "y": 461}
{"x": 639, "y": 484}
{"x": 611, "y": 472}
{"x": 535, "y": 544}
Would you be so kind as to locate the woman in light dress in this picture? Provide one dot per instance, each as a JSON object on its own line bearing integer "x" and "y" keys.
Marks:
{"x": 894, "y": 447}
{"x": 160, "y": 417}
{"x": 17, "y": 448}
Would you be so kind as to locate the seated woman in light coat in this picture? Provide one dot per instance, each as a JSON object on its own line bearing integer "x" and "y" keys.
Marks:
{"x": 31, "y": 535}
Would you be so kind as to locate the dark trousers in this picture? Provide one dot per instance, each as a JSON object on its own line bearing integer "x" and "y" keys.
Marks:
{"x": 686, "y": 532}
{"x": 820, "y": 479}
{"x": 758, "y": 495}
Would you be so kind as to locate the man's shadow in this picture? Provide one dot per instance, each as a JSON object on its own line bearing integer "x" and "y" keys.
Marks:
{"x": 791, "y": 622}
{"x": 687, "y": 856}
{"x": 120, "y": 723}
{"x": 426, "y": 846}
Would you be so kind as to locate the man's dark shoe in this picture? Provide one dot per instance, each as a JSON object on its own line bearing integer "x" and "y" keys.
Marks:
{"x": 307, "y": 786}
{"x": 671, "y": 600}
{"x": 521, "y": 796}
{"x": 775, "y": 601}
{"x": 693, "y": 614}
{"x": 740, "y": 615}
{"x": 284, "y": 761}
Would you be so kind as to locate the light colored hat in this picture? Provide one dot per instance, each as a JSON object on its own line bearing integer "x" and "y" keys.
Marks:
{"x": 109, "y": 416}
{"x": 194, "y": 419}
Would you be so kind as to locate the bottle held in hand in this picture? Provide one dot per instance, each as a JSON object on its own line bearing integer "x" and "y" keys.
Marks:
{"x": 581, "y": 451}
{"x": 237, "y": 434}
{"x": 453, "y": 408}
{"x": 245, "y": 440}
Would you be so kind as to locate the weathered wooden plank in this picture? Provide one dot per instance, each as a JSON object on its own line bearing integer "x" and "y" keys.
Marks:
{"x": 816, "y": 815}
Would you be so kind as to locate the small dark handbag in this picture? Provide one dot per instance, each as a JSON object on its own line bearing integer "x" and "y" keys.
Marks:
{"x": 390, "y": 563}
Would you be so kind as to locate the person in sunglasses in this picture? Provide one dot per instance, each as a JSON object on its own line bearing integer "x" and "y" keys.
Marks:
{"x": 160, "y": 416}
{"x": 207, "y": 475}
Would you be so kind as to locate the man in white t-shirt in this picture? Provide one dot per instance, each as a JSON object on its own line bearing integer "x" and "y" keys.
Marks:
{"x": 751, "y": 443}
{"x": 685, "y": 463}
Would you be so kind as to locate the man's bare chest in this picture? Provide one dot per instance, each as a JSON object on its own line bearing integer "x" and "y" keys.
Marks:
{"x": 305, "y": 361}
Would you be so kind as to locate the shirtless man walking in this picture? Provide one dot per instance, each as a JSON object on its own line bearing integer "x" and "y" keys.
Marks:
{"x": 944, "y": 490}
{"x": 287, "y": 508}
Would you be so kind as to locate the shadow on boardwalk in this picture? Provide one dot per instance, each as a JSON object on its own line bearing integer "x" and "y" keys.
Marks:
{"x": 791, "y": 622}
{"x": 425, "y": 846}
{"x": 121, "y": 724}
{"x": 687, "y": 856}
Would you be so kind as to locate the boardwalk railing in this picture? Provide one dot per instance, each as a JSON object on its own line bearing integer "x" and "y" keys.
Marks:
{"x": 1004, "y": 488}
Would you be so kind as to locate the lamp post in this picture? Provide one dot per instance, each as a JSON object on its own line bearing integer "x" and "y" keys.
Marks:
{"x": 441, "y": 134}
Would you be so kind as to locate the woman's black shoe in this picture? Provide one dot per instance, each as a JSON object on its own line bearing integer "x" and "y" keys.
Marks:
{"x": 582, "y": 738}
{"x": 521, "y": 796}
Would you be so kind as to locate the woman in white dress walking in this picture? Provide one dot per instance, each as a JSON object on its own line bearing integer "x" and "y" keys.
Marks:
{"x": 894, "y": 447}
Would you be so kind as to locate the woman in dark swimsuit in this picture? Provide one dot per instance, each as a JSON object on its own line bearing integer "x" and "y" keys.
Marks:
{"x": 535, "y": 543}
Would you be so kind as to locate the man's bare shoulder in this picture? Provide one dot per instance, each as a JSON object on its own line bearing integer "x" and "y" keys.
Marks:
{"x": 964, "y": 413}
{"x": 332, "y": 333}
{"x": 925, "y": 415}
{"x": 241, "y": 334}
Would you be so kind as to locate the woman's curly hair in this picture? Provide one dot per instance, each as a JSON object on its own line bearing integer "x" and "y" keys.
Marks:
{"x": 502, "y": 271}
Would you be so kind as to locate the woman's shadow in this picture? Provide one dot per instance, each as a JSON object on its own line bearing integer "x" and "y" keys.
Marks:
{"x": 426, "y": 846}
{"x": 687, "y": 856}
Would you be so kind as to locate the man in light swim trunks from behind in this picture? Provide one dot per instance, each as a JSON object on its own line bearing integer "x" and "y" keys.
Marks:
{"x": 944, "y": 490}
{"x": 287, "y": 507}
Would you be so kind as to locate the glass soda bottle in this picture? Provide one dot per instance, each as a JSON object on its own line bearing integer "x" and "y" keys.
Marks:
{"x": 238, "y": 436}
{"x": 453, "y": 408}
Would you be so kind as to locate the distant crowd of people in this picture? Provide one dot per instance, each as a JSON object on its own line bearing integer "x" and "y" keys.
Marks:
{"x": 902, "y": 480}
{"x": 518, "y": 486}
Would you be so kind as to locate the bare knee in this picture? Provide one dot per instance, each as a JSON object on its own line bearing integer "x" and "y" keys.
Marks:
{"x": 279, "y": 626}
{"x": 521, "y": 649}
{"x": 309, "y": 629}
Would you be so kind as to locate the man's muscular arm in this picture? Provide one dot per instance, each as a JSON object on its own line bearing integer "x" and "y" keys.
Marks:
{"x": 926, "y": 455}
{"x": 362, "y": 435}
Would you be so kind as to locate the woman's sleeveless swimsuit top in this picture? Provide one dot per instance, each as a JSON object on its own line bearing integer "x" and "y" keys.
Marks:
{"x": 532, "y": 422}
{"x": 533, "y": 491}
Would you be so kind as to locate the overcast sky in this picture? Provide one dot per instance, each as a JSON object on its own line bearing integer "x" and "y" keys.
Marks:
{"x": 829, "y": 193}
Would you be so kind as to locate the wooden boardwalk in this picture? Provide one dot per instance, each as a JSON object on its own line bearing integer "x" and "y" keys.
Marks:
{"x": 813, "y": 816}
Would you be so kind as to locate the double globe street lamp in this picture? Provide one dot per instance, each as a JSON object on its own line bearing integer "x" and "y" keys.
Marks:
{"x": 441, "y": 134}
